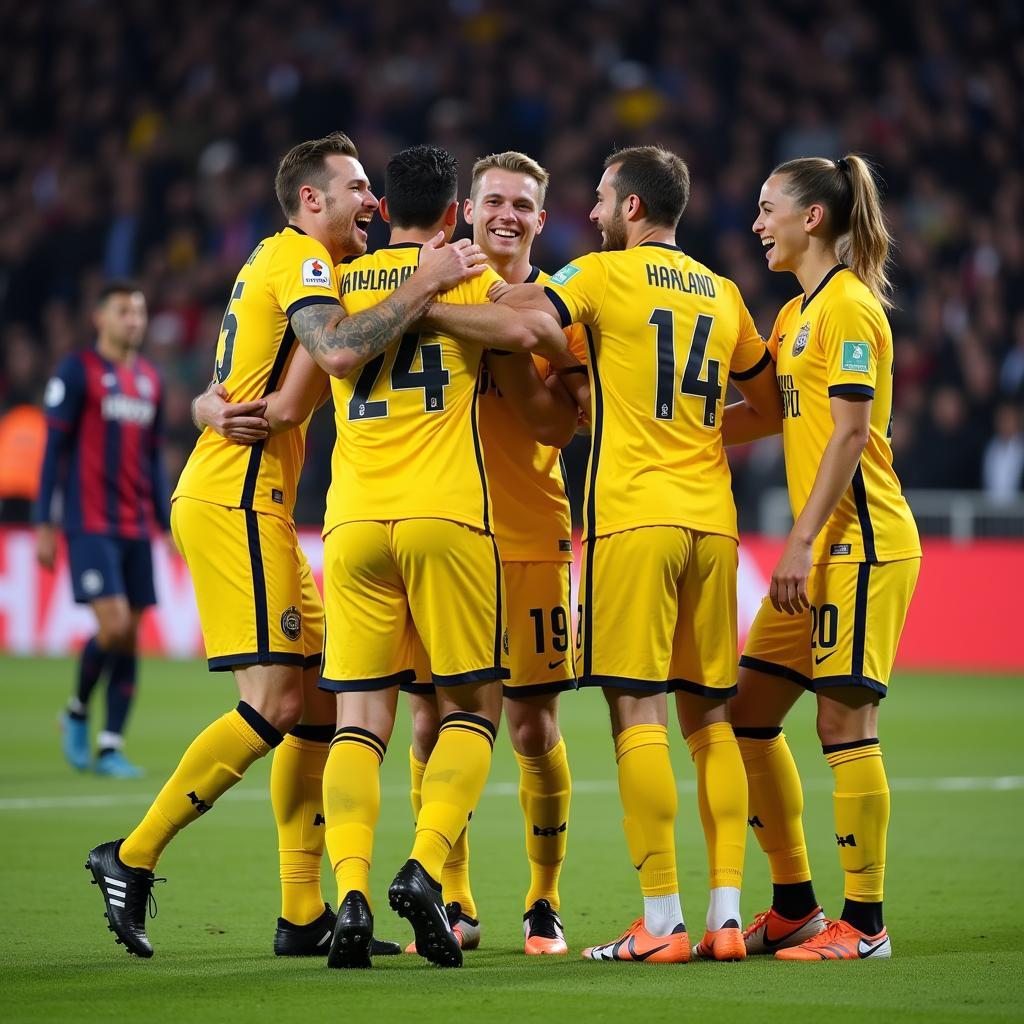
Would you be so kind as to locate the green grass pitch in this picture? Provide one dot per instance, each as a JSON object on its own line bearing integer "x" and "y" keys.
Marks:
{"x": 952, "y": 749}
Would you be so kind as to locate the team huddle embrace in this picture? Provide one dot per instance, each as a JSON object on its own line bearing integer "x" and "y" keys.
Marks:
{"x": 457, "y": 370}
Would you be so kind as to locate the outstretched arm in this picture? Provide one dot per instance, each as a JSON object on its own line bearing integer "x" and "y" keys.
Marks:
{"x": 341, "y": 344}
{"x": 496, "y": 326}
{"x": 759, "y": 414}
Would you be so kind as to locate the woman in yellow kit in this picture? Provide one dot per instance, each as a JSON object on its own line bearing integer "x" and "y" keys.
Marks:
{"x": 840, "y": 592}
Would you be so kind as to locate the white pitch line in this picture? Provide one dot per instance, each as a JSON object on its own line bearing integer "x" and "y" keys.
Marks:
{"x": 580, "y": 787}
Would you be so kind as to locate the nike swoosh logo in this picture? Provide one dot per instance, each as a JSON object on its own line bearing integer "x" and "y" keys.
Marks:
{"x": 824, "y": 657}
{"x": 773, "y": 943}
{"x": 866, "y": 949}
{"x": 631, "y": 949}
{"x": 555, "y": 664}
{"x": 324, "y": 939}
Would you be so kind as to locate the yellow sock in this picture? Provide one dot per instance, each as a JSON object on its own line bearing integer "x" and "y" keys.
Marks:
{"x": 776, "y": 803}
{"x": 352, "y": 806}
{"x": 722, "y": 801}
{"x": 455, "y": 885}
{"x": 647, "y": 789}
{"x": 454, "y": 779}
{"x": 215, "y": 761}
{"x": 545, "y": 788}
{"x": 861, "y": 803}
{"x": 296, "y": 795}
{"x": 416, "y": 770}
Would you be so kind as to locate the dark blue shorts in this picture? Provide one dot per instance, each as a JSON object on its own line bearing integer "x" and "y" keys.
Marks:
{"x": 106, "y": 566}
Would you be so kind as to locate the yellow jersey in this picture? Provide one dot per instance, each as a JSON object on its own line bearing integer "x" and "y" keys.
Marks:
{"x": 663, "y": 333}
{"x": 837, "y": 341}
{"x": 285, "y": 273}
{"x": 532, "y": 522}
{"x": 408, "y": 441}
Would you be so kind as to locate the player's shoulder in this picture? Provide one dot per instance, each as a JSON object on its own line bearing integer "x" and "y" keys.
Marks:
{"x": 848, "y": 297}
{"x": 74, "y": 365}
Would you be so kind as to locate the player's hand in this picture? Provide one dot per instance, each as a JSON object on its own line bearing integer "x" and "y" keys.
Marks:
{"x": 788, "y": 590}
{"x": 241, "y": 422}
{"x": 46, "y": 546}
{"x": 449, "y": 265}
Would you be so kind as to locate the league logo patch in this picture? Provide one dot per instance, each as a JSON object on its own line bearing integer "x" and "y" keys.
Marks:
{"x": 92, "y": 581}
{"x": 55, "y": 392}
{"x": 316, "y": 273}
{"x": 291, "y": 623}
{"x": 800, "y": 342}
{"x": 856, "y": 356}
{"x": 566, "y": 274}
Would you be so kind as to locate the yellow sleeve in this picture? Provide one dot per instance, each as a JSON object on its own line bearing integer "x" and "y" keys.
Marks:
{"x": 300, "y": 274}
{"x": 577, "y": 291}
{"x": 850, "y": 338}
{"x": 751, "y": 355}
{"x": 474, "y": 291}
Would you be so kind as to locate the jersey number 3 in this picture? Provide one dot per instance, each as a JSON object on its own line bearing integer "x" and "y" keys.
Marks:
{"x": 697, "y": 381}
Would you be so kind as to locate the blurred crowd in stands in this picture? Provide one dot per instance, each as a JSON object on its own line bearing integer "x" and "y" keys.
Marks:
{"x": 141, "y": 139}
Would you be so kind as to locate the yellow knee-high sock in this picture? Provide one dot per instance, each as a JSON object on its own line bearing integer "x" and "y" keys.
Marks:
{"x": 455, "y": 776}
{"x": 297, "y": 797}
{"x": 545, "y": 789}
{"x": 647, "y": 789}
{"x": 776, "y": 803}
{"x": 861, "y": 803}
{"x": 215, "y": 761}
{"x": 416, "y": 770}
{"x": 722, "y": 801}
{"x": 352, "y": 806}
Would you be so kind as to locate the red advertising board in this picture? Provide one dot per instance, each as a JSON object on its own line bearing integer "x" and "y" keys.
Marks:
{"x": 966, "y": 610}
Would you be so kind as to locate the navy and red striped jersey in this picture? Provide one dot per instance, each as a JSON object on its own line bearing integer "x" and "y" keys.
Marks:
{"x": 103, "y": 448}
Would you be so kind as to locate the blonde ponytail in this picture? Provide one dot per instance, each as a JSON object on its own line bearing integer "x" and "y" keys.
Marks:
{"x": 849, "y": 193}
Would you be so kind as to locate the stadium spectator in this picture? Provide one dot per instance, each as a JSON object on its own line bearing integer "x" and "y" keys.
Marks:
{"x": 1002, "y": 468}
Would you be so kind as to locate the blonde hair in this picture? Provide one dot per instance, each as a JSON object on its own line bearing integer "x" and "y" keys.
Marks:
{"x": 849, "y": 192}
{"x": 517, "y": 163}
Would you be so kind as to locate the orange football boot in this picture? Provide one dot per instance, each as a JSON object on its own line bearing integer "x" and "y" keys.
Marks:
{"x": 542, "y": 928}
{"x": 770, "y": 931}
{"x": 840, "y": 941}
{"x": 722, "y": 943}
{"x": 638, "y": 944}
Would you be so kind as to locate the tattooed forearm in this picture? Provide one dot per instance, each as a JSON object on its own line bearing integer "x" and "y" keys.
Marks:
{"x": 341, "y": 344}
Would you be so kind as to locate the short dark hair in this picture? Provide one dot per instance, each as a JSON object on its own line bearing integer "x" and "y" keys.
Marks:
{"x": 117, "y": 286}
{"x": 305, "y": 164}
{"x": 419, "y": 184}
{"x": 659, "y": 177}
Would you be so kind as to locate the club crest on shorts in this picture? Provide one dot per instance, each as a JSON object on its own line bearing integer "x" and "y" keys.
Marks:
{"x": 800, "y": 342}
{"x": 92, "y": 581}
{"x": 291, "y": 623}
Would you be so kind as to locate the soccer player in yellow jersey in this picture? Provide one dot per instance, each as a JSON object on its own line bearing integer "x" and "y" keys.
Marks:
{"x": 232, "y": 522}
{"x": 659, "y": 575}
{"x": 840, "y": 592}
{"x": 410, "y": 559}
{"x": 525, "y": 417}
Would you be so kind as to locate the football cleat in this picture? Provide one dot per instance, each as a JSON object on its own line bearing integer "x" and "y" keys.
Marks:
{"x": 638, "y": 944}
{"x": 465, "y": 928}
{"x": 126, "y": 893}
{"x": 415, "y": 896}
{"x": 115, "y": 765}
{"x": 312, "y": 939}
{"x": 770, "y": 931}
{"x": 542, "y": 929}
{"x": 724, "y": 943}
{"x": 75, "y": 740}
{"x": 839, "y": 940}
{"x": 353, "y": 933}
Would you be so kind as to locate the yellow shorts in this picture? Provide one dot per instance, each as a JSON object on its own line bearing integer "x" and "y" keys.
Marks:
{"x": 390, "y": 585}
{"x": 658, "y": 612}
{"x": 258, "y": 601}
{"x": 539, "y": 630}
{"x": 850, "y": 634}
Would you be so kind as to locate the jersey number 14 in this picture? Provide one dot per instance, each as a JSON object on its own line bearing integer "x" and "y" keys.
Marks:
{"x": 698, "y": 381}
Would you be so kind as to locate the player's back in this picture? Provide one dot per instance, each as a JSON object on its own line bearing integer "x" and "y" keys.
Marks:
{"x": 408, "y": 442}
{"x": 664, "y": 332}
{"x": 285, "y": 272}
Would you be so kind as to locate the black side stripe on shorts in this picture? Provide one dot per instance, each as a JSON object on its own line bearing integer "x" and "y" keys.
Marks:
{"x": 259, "y": 584}
{"x": 867, "y": 529}
{"x": 860, "y": 616}
{"x": 597, "y": 413}
{"x": 252, "y": 472}
{"x": 572, "y": 633}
